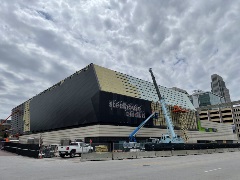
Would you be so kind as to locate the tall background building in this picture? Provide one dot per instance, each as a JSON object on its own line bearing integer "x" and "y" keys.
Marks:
{"x": 200, "y": 98}
{"x": 218, "y": 87}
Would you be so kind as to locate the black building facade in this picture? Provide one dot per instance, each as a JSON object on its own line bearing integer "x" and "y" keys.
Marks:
{"x": 90, "y": 96}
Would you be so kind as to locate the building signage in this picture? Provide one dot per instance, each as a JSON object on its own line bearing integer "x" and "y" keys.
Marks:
{"x": 131, "y": 110}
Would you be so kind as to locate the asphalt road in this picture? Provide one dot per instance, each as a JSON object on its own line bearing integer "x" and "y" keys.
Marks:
{"x": 219, "y": 166}
{"x": 5, "y": 153}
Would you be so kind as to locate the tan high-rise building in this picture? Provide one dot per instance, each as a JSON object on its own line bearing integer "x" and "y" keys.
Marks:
{"x": 218, "y": 87}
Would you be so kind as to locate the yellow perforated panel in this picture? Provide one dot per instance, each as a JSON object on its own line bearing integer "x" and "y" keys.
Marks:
{"x": 111, "y": 81}
{"x": 26, "y": 117}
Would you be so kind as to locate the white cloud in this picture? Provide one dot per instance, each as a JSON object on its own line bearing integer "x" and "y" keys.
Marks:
{"x": 42, "y": 42}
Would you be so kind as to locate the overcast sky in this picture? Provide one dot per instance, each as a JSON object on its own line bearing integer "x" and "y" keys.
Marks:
{"x": 43, "y": 42}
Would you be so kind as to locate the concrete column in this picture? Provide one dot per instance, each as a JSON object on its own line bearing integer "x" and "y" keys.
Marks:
{"x": 234, "y": 121}
{"x": 208, "y": 114}
{"x": 220, "y": 114}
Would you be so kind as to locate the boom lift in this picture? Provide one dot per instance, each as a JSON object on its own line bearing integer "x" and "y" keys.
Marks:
{"x": 171, "y": 137}
{"x": 133, "y": 134}
{"x": 132, "y": 139}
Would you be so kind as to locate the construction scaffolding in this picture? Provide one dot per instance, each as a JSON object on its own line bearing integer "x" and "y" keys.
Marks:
{"x": 182, "y": 114}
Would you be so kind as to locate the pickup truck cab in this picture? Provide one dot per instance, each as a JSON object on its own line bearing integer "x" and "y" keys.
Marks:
{"x": 74, "y": 148}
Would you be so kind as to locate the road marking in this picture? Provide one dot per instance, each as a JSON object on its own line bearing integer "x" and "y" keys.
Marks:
{"x": 148, "y": 163}
{"x": 212, "y": 170}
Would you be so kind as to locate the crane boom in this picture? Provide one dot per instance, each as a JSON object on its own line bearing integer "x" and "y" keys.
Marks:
{"x": 166, "y": 113}
{"x": 155, "y": 84}
{"x": 8, "y": 117}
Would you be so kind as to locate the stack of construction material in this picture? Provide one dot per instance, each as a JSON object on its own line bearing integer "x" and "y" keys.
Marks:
{"x": 101, "y": 148}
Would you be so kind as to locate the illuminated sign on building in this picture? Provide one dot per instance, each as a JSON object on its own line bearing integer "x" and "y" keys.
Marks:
{"x": 131, "y": 110}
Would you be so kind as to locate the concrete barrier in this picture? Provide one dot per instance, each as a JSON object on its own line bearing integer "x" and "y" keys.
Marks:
{"x": 124, "y": 155}
{"x": 146, "y": 154}
{"x": 193, "y": 152}
{"x": 103, "y": 156}
{"x": 179, "y": 153}
{"x": 232, "y": 149}
{"x": 211, "y": 151}
{"x": 202, "y": 151}
{"x": 96, "y": 156}
{"x": 225, "y": 149}
{"x": 220, "y": 150}
{"x": 163, "y": 153}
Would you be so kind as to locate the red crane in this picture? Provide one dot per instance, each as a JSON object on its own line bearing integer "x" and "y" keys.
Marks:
{"x": 178, "y": 109}
{"x": 9, "y": 117}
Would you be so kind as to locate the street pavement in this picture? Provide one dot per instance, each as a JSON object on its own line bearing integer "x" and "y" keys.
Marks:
{"x": 218, "y": 166}
{"x": 4, "y": 153}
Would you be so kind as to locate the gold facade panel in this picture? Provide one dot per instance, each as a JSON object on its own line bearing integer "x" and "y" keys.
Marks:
{"x": 111, "y": 81}
{"x": 26, "y": 117}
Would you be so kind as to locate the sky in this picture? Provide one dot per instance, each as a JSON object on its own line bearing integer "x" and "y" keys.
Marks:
{"x": 185, "y": 42}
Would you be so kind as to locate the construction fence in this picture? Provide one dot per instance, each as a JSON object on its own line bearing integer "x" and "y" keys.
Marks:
{"x": 30, "y": 150}
{"x": 115, "y": 149}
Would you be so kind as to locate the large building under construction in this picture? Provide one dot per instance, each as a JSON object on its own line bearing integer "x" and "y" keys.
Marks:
{"x": 103, "y": 105}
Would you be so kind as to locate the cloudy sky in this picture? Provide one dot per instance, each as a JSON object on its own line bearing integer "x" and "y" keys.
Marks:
{"x": 42, "y": 42}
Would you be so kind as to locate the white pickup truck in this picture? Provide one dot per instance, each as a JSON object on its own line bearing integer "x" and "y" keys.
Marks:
{"x": 74, "y": 148}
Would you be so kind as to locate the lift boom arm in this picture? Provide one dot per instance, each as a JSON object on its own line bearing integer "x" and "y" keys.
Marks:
{"x": 132, "y": 135}
{"x": 164, "y": 107}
